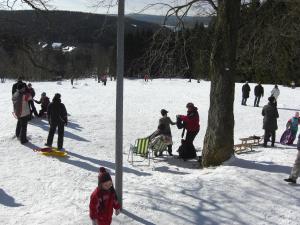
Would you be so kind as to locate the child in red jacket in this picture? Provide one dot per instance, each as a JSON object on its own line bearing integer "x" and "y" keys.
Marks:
{"x": 103, "y": 200}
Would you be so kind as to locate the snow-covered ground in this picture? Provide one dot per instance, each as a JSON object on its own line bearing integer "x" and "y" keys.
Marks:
{"x": 249, "y": 189}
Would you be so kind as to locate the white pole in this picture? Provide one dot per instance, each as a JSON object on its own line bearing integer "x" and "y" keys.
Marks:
{"x": 119, "y": 103}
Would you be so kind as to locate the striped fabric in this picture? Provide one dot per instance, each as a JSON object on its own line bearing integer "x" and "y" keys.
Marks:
{"x": 159, "y": 146}
{"x": 142, "y": 146}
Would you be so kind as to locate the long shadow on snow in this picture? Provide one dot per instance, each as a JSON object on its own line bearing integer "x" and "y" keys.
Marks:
{"x": 89, "y": 167}
{"x": 262, "y": 166}
{"x": 189, "y": 164}
{"x": 8, "y": 200}
{"x": 44, "y": 125}
{"x": 137, "y": 218}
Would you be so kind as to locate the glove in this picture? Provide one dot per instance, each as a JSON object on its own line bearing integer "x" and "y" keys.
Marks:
{"x": 117, "y": 211}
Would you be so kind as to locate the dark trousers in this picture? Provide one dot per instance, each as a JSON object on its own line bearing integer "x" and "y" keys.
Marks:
{"x": 32, "y": 108}
{"x": 60, "y": 133}
{"x": 189, "y": 138}
{"x": 256, "y": 101}
{"x": 42, "y": 111}
{"x": 21, "y": 129}
{"x": 244, "y": 101}
{"x": 268, "y": 134}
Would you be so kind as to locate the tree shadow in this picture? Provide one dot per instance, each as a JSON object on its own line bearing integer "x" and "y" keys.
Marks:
{"x": 188, "y": 164}
{"x": 8, "y": 200}
{"x": 165, "y": 169}
{"x": 262, "y": 166}
{"x": 45, "y": 126}
{"x": 92, "y": 168}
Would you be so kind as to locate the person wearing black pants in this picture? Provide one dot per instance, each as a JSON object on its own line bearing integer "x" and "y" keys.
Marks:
{"x": 258, "y": 92}
{"x": 57, "y": 117}
{"x": 191, "y": 124}
{"x": 21, "y": 111}
{"x": 270, "y": 114}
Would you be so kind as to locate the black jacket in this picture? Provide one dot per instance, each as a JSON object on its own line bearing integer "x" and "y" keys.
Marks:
{"x": 246, "y": 89}
{"x": 57, "y": 113}
{"x": 258, "y": 90}
{"x": 270, "y": 114}
{"x": 15, "y": 86}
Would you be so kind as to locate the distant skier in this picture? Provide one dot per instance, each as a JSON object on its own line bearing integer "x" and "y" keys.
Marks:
{"x": 104, "y": 200}
{"x": 245, "y": 91}
{"x": 44, "y": 101}
{"x": 258, "y": 92}
{"x": 296, "y": 168}
{"x": 72, "y": 80}
{"x": 146, "y": 78}
{"x": 21, "y": 111}
{"x": 270, "y": 115}
{"x": 57, "y": 117}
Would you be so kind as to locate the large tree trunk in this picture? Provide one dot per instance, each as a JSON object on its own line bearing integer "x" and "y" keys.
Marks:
{"x": 218, "y": 141}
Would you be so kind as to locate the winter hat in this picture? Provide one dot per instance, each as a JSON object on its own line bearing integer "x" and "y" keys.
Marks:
{"x": 57, "y": 96}
{"x": 103, "y": 176}
{"x": 43, "y": 94}
{"x": 163, "y": 112}
{"x": 271, "y": 99}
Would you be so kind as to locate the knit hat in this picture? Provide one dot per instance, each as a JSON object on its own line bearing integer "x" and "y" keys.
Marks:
{"x": 103, "y": 176}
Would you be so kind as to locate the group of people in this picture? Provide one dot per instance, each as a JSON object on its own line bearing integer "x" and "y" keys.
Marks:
{"x": 23, "y": 103}
{"x": 189, "y": 122}
{"x": 270, "y": 114}
{"x": 258, "y": 93}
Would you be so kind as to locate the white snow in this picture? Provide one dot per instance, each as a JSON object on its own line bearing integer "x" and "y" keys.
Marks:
{"x": 56, "y": 45}
{"x": 248, "y": 189}
{"x": 68, "y": 48}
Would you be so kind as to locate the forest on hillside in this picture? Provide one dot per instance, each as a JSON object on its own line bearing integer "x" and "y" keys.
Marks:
{"x": 268, "y": 45}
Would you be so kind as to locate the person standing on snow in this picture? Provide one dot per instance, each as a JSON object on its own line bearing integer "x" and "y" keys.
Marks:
{"x": 57, "y": 117}
{"x": 245, "y": 91}
{"x": 103, "y": 200}
{"x": 296, "y": 168}
{"x": 166, "y": 121}
{"x": 21, "y": 111}
{"x": 191, "y": 124}
{"x": 258, "y": 92}
{"x": 270, "y": 114}
{"x": 275, "y": 92}
{"x": 15, "y": 85}
{"x": 31, "y": 91}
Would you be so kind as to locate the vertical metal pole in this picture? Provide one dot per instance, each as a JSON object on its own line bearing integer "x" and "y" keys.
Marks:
{"x": 119, "y": 102}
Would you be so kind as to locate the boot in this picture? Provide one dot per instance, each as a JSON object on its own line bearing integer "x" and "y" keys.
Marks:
{"x": 290, "y": 180}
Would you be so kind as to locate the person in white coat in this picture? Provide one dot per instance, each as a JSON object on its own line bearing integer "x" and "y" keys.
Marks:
{"x": 275, "y": 92}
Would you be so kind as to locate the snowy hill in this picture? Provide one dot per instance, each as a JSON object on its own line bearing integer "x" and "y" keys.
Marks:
{"x": 249, "y": 189}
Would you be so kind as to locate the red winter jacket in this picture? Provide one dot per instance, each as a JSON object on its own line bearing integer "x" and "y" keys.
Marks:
{"x": 103, "y": 212}
{"x": 191, "y": 121}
